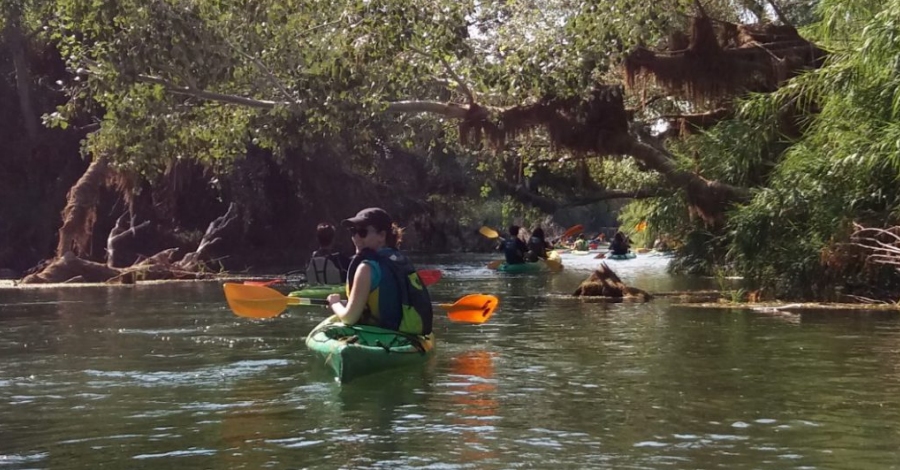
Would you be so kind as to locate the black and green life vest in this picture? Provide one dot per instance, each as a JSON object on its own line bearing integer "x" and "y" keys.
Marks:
{"x": 400, "y": 301}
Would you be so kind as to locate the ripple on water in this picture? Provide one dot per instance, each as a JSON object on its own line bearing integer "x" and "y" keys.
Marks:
{"x": 206, "y": 375}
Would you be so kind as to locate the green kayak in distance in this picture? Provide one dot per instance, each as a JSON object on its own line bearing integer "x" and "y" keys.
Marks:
{"x": 537, "y": 267}
{"x": 319, "y": 292}
{"x": 553, "y": 263}
{"x": 629, "y": 255}
{"x": 351, "y": 351}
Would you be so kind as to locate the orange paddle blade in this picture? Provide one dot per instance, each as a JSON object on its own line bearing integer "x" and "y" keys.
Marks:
{"x": 473, "y": 308}
{"x": 264, "y": 283}
{"x": 495, "y": 264}
{"x": 573, "y": 230}
{"x": 256, "y": 301}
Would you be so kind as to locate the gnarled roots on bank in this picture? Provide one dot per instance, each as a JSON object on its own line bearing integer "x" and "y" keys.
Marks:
{"x": 603, "y": 282}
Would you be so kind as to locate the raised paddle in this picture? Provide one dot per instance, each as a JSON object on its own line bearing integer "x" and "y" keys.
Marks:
{"x": 488, "y": 232}
{"x": 428, "y": 276}
{"x": 573, "y": 230}
{"x": 263, "y": 302}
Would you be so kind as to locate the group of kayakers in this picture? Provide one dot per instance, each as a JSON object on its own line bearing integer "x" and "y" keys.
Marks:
{"x": 517, "y": 251}
{"x": 383, "y": 288}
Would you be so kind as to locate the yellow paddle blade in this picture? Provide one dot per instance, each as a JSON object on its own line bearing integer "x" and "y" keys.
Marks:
{"x": 473, "y": 308}
{"x": 553, "y": 261}
{"x": 488, "y": 232}
{"x": 257, "y": 301}
{"x": 495, "y": 264}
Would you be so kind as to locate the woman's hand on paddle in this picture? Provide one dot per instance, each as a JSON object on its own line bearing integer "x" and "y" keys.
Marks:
{"x": 332, "y": 299}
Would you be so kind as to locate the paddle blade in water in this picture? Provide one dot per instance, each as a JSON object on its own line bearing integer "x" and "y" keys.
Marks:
{"x": 495, "y": 264}
{"x": 254, "y": 301}
{"x": 473, "y": 308}
{"x": 554, "y": 264}
{"x": 488, "y": 232}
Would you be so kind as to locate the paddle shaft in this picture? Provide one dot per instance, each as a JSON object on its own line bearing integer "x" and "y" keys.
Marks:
{"x": 264, "y": 302}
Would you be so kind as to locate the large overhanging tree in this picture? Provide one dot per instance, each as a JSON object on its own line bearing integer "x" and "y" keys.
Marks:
{"x": 203, "y": 80}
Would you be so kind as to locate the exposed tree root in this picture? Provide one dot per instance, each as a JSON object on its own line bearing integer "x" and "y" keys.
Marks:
{"x": 603, "y": 282}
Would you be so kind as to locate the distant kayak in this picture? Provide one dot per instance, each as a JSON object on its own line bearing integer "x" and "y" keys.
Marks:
{"x": 351, "y": 351}
{"x": 629, "y": 255}
{"x": 318, "y": 292}
{"x": 551, "y": 264}
{"x": 523, "y": 268}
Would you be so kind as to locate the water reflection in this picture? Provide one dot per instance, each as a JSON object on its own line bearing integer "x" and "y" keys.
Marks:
{"x": 476, "y": 406}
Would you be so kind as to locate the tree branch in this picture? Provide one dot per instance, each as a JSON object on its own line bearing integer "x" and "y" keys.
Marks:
{"x": 778, "y": 13}
{"x": 262, "y": 67}
{"x": 470, "y": 97}
{"x": 449, "y": 110}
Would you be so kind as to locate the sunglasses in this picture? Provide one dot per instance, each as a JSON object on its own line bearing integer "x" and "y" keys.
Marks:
{"x": 362, "y": 232}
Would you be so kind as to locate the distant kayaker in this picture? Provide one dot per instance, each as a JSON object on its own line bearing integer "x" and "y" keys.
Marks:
{"x": 383, "y": 287}
{"x": 619, "y": 244}
{"x": 326, "y": 265}
{"x": 513, "y": 247}
{"x": 581, "y": 244}
{"x": 537, "y": 246}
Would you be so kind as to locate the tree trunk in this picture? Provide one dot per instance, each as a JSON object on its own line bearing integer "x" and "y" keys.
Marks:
{"x": 80, "y": 212}
{"x": 16, "y": 40}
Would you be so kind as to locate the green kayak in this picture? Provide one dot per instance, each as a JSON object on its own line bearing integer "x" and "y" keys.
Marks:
{"x": 318, "y": 292}
{"x": 629, "y": 255}
{"x": 356, "y": 350}
{"x": 553, "y": 263}
{"x": 522, "y": 268}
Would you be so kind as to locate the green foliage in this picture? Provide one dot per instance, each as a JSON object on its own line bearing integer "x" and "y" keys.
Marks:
{"x": 842, "y": 167}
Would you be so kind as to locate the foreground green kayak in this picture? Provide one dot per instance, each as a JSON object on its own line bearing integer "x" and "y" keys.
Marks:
{"x": 318, "y": 292}
{"x": 353, "y": 351}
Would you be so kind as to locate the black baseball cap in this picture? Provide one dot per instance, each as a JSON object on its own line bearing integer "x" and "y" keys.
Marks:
{"x": 374, "y": 216}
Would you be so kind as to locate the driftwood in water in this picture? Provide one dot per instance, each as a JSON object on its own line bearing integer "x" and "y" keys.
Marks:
{"x": 119, "y": 233}
{"x": 603, "y": 282}
{"x": 70, "y": 268}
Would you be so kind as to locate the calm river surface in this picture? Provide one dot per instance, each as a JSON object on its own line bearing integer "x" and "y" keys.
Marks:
{"x": 165, "y": 376}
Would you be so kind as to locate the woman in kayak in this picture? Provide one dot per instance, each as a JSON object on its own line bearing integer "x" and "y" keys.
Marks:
{"x": 383, "y": 288}
{"x": 327, "y": 266}
{"x": 619, "y": 244}
{"x": 537, "y": 246}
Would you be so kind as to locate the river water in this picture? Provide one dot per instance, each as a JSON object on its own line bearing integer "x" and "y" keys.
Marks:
{"x": 165, "y": 376}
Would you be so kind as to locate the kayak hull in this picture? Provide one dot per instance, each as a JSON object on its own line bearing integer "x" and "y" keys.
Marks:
{"x": 351, "y": 351}
{"x": 553, "y": 263}
{"x": 629, "y": 255}
{"x": 523, "y": 268}
{"x": 318, "y": 292}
